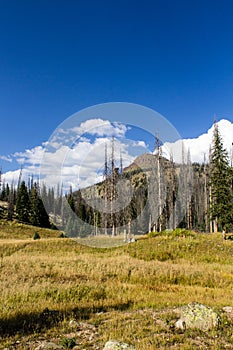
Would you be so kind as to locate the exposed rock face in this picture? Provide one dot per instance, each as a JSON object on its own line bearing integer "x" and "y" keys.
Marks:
{"x": 115, "y": 345}
{"x": 198, "y": 316}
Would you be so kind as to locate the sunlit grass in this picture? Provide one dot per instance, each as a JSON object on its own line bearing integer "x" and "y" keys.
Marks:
{"x": 102, "y": 241}
{"x": 118, "y": 289}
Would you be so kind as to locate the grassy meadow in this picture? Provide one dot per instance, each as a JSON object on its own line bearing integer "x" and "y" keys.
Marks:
{"x": 130, "y": 293}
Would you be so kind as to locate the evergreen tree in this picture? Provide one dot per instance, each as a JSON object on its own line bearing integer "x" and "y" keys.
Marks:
{"x": 44, "y": 197}
{"x": 38, "y": 214}
{"x": 3, "y": 192}
{"x": 51, "y": 200}
{"x": 72, "y": 227}
{"x": 79, "y": 205}
{"x": 11, "y": 202}
{"x": 58, "y": 200}
{"x": 221, "y": 200}
{"x": 70, "y": 199}
{"x": 22, "y": 203}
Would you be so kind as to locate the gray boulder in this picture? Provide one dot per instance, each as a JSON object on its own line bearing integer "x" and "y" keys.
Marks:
{"x": 116, "y": 345}
{"x": 199, "y": 316}
{"x": 49, "y": 346}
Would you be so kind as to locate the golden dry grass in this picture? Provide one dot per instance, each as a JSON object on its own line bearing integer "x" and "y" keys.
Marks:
{"x": 121, "y": 290}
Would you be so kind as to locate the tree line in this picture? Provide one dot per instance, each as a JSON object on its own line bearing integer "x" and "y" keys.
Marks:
{"x": 25, "y": 203}
{"x": 200, "y": 199}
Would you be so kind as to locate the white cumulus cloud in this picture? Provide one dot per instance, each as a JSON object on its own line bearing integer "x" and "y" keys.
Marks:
{"x": 199, "y": 147}
{"x": 81, "y": 164}
{"x": 30, "y": 156}
{"x": 77, "y": 161}
{"x": 100, "y": 127}
{"x": 6, "y": 158}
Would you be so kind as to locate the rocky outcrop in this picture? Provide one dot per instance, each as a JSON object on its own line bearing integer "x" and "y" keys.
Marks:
{"x": 199, "y": 316}
{"x": 116, "y": 345}
{"x": 49, "y": 346}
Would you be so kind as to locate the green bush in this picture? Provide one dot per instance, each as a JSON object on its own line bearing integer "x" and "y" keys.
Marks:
{"x": 153, "y": 234}
{"x": 68, "y": 343}
{"x": 62, "y": 235}
{"x": 179, "y": 232}
{"x": 36, "y": 236}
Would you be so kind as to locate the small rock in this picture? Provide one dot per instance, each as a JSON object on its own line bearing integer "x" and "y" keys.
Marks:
{"x": 180, "y": 324}
{"x": 49, "y": 346}
{"x": 227, "y": 309}
{"x": 73, "y": 324}
{"x": 86, "y": 325}
{"x": 196, "y": 315}
{"x": 116, "y": 345}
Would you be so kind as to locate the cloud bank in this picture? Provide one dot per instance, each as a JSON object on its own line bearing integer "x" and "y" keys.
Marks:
{"x": 76, "y": 157}
{"x": 199, "y": 147}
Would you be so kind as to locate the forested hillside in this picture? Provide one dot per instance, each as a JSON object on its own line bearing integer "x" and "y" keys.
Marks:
{"x": 152, "y": 194}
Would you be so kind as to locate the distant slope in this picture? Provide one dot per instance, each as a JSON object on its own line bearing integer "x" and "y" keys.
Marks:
{"x": 16, "y": 230}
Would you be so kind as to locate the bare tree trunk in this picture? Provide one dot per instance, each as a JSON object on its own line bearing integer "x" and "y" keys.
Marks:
{"x": 105, "y": 190}
{"x": 95, "y": 224}
{"x": 173, "y": 195}
{"x": 159, "y": 196}
{"x": 149, "y": 228}
{"x": 10, "y": 207}
{"x": 158, "y": 154}
{"x": 189, "y": 191}
{"x": 129, "y": 230}
{"x": 215, "y": 225}
{"x": 0, "y": 181}
{"x": 211, "y": 221}
{"x": 112, "y": 187}
{"x": 206, "y": 207}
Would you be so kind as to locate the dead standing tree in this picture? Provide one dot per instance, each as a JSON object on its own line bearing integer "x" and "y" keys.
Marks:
{"x": 159, "y": 179}
{"x": 110, "y": 176}
{"x": 113, "y": 187}
{"x": 105, "y": 176}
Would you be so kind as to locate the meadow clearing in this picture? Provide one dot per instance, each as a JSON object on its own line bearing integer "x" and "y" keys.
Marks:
{"x": 130, "y": 293}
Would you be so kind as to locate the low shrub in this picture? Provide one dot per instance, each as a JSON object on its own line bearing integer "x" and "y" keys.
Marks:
{"x": 68, "y": 343}
{"x": 36, "y": 236}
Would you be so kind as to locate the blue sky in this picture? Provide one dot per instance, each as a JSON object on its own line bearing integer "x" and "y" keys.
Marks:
{"x": 58, "y": 57}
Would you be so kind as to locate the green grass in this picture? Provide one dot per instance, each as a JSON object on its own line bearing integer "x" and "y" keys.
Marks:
{"x": 129, "y": 293}
{"x": 102, "y": 241}
{"x": 16, "y": 230}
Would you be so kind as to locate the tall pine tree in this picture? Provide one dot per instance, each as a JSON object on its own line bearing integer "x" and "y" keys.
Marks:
{"x": 38, "y": 214}
{"x": 22, "y": 203}
{"x": 221, "y": 199}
